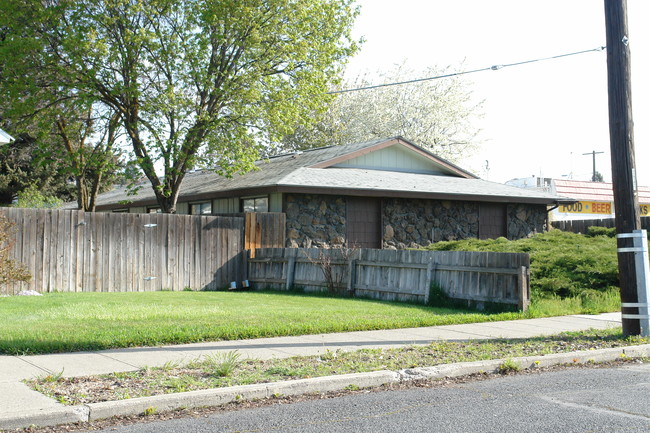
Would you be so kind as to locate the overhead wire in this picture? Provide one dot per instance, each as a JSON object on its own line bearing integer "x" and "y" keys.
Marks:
{"x": 455, "y": 74}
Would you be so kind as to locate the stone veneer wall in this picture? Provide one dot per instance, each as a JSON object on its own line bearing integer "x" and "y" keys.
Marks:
{"x": 416, "y": 223}
{"x": 526, "y": 220}
{"x": 315, "y": 221}
{"x": 319, "y": 221}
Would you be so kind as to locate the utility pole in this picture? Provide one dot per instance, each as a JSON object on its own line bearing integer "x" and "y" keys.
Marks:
{"x": 621, "y": 135}
{"x": 593, "y": 153}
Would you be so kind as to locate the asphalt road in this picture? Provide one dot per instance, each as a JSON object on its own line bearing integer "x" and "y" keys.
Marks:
{"x": 572, "y": 400}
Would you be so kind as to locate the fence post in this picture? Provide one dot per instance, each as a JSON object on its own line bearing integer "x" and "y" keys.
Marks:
{"x": 352, "y": 274}
{"x": 427, "y": 286}
{"x": 291, "y": 268}
{"x": 523, "y": 288}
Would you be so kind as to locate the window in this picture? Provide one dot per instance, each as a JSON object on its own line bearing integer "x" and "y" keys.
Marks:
{"x": 255, "y": 204}
{"x": 204, "y": 208}
{"x": 154, "y": 210}
{"x": 120, "y": 210}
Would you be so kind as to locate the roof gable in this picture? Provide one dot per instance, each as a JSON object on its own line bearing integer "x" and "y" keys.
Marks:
{"x": 395, "y": 154}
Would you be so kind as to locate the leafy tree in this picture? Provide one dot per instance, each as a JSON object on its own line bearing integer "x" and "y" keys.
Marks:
{"x": 32, "y": 197}
{"x": 436, "y": 114}
{"x": 22, "y": 165}
{"x": 193, "y": 82}
{"x": 60, "y": 123}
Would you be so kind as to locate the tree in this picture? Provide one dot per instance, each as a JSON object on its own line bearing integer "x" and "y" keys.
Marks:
{"x": 59, "y": 123}
{"x": 23, "y": 165}
{"x": 32, "y": 197}
{"x": 193, "y": 82}
{"x": 436, "y": 114}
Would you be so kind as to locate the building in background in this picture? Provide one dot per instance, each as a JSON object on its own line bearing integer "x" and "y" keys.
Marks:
{"x": 593, "y": 200}
{"x": 5, "y": 138}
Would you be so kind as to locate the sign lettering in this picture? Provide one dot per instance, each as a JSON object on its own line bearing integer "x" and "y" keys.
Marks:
{"x": 597, "y": 207}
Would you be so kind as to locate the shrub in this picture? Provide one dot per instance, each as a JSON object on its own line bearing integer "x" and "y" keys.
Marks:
{"x": 562, "y": 264}
{"x": 10, "y": 270}
{"x": 610, "y": 232}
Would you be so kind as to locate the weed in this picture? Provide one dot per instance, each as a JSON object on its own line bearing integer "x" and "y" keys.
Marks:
{"x": 223, "y": 364}
{"x": 508, "y": 366}
{"x": 169, "y": 365}
{"x": 352, "y": 387}
{"x": 51, "y": 378}
{"x": 151, "y": 410}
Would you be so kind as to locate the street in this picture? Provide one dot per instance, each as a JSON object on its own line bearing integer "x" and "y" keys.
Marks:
{"x": 572, "y": 400}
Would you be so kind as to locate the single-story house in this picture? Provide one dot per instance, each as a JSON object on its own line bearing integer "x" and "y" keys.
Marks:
{"x": 387, "y": 193}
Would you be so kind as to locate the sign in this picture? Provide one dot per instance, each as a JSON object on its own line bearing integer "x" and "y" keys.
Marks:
{"x": 597, "y": 207}
{"x": 593, "y": 207}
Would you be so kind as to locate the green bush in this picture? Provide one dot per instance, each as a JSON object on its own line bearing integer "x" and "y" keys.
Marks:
{"x": 610, "y": 232}
{"x": 562, "y": 264}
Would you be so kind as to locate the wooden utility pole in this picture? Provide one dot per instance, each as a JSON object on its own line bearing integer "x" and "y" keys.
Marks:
{"x": 621, "y": 135}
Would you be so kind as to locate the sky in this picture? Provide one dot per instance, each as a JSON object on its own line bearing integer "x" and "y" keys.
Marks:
{"x": 540, "y": 118}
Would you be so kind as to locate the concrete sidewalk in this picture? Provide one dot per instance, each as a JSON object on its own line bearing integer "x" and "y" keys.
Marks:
{"x": 21, "y": 406}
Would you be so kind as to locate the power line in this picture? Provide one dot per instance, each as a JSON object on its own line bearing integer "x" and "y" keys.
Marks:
{"x": 454, "y": 74}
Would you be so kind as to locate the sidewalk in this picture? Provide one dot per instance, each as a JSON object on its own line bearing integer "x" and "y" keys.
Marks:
{"x": 19, "y": 405}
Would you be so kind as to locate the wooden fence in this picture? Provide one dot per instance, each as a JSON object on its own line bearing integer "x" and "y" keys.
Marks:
{"x": 580, "y": 226}
{"x": 74, "y": 251}
{"x": 264, "y": 230}
{"x": 403, "y": 275}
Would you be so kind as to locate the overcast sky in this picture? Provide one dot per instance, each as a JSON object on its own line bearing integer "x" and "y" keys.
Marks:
{"x": 539, "y": 118}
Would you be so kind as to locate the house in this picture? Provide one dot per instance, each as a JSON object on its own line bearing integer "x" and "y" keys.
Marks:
{"x": 387, "y": 193}
{"x": 5, "y": 138}
{"x": 592, "y": 200}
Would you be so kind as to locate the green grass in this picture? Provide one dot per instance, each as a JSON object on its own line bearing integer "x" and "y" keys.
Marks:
{"x": 65, "y": 322}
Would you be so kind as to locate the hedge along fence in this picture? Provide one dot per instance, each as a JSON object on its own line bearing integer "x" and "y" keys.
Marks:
{"x": 74, "y": 251}
{"x": 399, "y": 275}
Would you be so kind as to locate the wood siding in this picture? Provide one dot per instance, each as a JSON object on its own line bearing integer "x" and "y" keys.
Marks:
{"x": 74, "y": 251}
{"x": 395, "y": 158}
{"x": 492, "y": 221}
{"x": 363, "y": 220}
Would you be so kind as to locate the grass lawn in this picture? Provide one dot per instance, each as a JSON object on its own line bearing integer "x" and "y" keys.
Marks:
{"x": 64, "y": 322}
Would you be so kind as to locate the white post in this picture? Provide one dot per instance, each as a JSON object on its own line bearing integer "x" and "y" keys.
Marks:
{"x": 640, "y": 250}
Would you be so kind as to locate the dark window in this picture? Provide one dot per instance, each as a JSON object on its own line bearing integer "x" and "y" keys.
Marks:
{"x": 255, "y": 204}
{"x": 204, "y": 208}
{"x": 120, "y": 210}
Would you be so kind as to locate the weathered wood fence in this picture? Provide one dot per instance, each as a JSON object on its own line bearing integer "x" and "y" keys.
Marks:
{"x": 74, "y": 251}
{"x": 580, "y": 226}
{"x": 266, "y": 230}
{"x": 403, "y": 275}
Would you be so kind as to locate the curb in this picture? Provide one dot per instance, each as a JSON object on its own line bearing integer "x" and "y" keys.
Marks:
{"x": 220, "y": 396}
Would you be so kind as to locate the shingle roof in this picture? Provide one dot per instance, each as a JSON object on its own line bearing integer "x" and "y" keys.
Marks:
{"x": 593, "y": 191}
{"x": 294, "y": 172}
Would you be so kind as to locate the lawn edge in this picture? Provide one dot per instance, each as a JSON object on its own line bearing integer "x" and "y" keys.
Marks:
{"x": 221, "y": 396}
